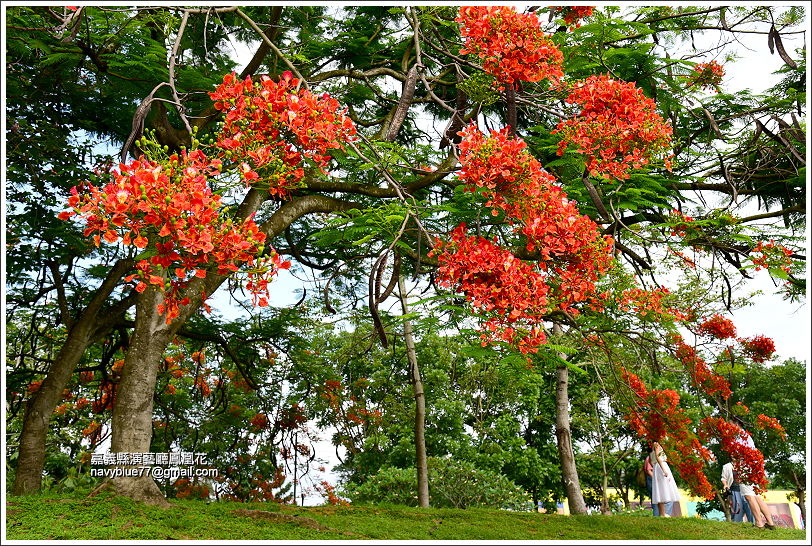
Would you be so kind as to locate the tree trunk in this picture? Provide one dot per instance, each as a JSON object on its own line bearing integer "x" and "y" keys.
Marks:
{"x": 800, "y": 491}
{"x": 419, "y": 405}
{"x": 89, "y": 325}
{"x": 38, "y": 411}
{"x": 132, "y": 411}
{"x": 569, "y": 472}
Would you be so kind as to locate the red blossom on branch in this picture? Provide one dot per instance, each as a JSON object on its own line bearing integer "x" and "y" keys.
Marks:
{"x": 512, "y": 45}
{"x": 706, "y": 75}
{"x": 272, "y": 129}
{"x": 514, "y": 296}
{"x": 572, "y": 15}
{"x": 656, "y": 417}
{"x": 748, "y": 462}
{"x": 772, "y": 256}
{"x": 649, "y": 303}
{"x": 170, "y": 209}
{"x": 765, "y": 422}
{"x": 717, "y": 327}
{"x": 758, "y": 348}
{"x": 617, "y": 129}
{"x": 701, "y": 374}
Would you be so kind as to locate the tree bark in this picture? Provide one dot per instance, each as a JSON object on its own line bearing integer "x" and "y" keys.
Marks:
{"x": 89, "y": 325}
{"x": 569, "y": 472}
{"x": 132, "y": 411}
{"x": 800, "y": 491}
{"x": 38, "y": 411}
{"x": 419, "y": 404}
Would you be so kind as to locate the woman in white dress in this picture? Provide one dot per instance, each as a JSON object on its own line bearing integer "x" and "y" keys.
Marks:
{"x": 663, "y": 486}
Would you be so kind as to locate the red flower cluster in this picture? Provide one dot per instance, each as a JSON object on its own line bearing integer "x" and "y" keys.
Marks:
{"x": 92, "y": 429}
{"x": 259, "y": 421}
{"x": 107, "y": 397}
{"x": 572, "y": 252}
{"x": 291, "y": 418}
{"x": 655, "y": 416}
{"x": 512, "y": 45}
{"x": 328, "y": 490}
{"x": 513, "y": 293}
{"x": 701, "y": 374}
{"x": 764, "y": 422}
{"x": 759, "y": 348}
{"x": 171, "y": 208}
{"x": 271, "y": 128}
{"x": 706, "y": 75}
{"x": 772, "y": 256}
{"x": 573, "y": 14}
{"x": 202, "y": 384}
{"x": 748, "y": 462}
{"x": 683, "y": 225}
{"x": 717, "y": 327}
{"x": 649, "y": 302}
{"x": 617, "y": 129}
{"x": 185, "y": 489}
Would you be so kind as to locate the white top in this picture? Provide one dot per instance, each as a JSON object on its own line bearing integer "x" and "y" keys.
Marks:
{"x": 727, "y": 475}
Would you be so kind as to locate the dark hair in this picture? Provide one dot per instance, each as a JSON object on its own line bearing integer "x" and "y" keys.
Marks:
{"x": 736, "y": 420}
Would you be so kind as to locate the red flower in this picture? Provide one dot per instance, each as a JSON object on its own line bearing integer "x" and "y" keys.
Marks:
{"x": 706, "y": 75}
{"x": 748, "y": 462}
{"x": 655, "y": 415}
{"x": 512, "y": 45}
{"x": 271, "y": 128}
{"x": 617, "y": 129}
{"x": 718, "y": 327}
{"x": 573, "y": 14}
{"x": 759, "y": 348}
{"x": 259, "y": 421}
{"x": 514, "y": 296}
{"x": 764, "y": 422}
{"x": 702, "y": 376}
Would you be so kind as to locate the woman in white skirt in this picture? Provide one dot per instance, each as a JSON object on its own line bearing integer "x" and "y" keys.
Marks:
{"x": 663, "y": 486}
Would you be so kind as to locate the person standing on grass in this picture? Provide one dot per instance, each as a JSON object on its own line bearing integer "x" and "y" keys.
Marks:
{"x": 648, "y": 469}
{"x": 663, "y": 486}
{"x": 757, "y": 503}
{"x": 739, "y": 508}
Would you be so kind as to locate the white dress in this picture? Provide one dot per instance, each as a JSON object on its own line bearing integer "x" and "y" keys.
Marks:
{"x": 663, "y": 489}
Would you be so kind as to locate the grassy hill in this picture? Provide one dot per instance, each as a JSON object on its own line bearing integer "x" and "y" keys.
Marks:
{"x": 54, "y": 517}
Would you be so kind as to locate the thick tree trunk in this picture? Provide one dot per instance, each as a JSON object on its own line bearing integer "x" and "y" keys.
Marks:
{"x": 569, "y": 472}
{"x": 419, "y": 405}
{"x": 38, "y": 411}
{"x": 89, "y": 325}
{"x": 132, "y": 411}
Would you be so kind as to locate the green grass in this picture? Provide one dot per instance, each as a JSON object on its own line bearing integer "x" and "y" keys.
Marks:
{"x": 52, "y": 517}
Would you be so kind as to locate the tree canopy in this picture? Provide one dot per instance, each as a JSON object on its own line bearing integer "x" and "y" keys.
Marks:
{"x": 572, "y": 191}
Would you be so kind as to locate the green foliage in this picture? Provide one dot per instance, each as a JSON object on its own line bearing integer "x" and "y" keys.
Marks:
{"x": 453, "y": 484}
